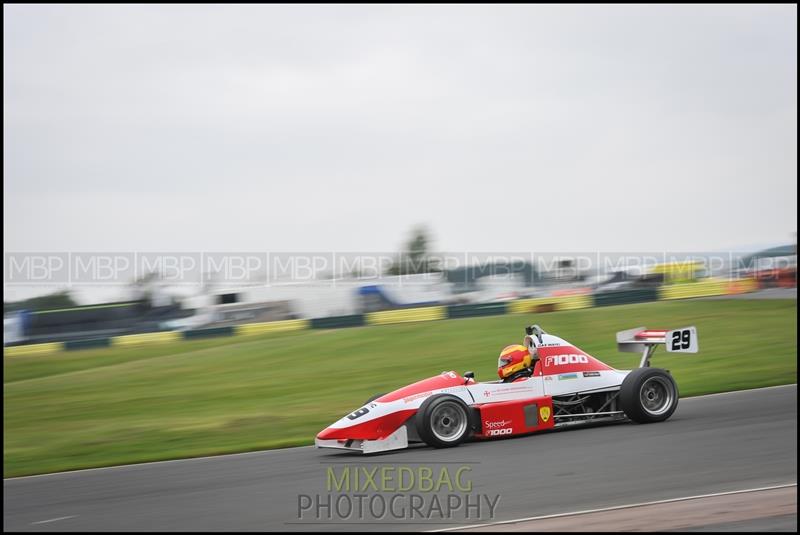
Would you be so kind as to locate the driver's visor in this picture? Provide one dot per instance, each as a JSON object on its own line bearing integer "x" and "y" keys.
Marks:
{"x": 503, "y": 362}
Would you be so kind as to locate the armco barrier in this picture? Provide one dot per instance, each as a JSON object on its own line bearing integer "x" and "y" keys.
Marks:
{"x": 271, "y": 327}
{"x": 407, "y": 315}
{"x": 91, "y": 343}
{"x": 206, "y": 333}
{"x": 335, "y": 322}
{"x": 625, "y": 297}
{"x": 470, "y": 311}
{"x": 549, "y": 304}
{"x": 742, "y": 286}
{"x": 145, "y": 338}
{"x": 33, "y": 349}
{"x": 704, "y": 288}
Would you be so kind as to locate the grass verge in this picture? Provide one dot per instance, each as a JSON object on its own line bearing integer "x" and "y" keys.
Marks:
{"x": 112, "y": 406}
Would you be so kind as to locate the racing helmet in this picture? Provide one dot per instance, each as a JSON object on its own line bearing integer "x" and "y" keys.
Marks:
{"x": 512, "y": 359}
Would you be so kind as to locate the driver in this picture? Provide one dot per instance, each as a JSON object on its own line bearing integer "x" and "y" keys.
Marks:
{"x": 514, "y": 364}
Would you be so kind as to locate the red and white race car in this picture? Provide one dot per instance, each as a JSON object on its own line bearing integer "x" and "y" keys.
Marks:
{"x": 567, "y": 387}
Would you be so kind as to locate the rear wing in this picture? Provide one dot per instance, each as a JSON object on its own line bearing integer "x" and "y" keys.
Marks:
{"x": 645, "y": 341}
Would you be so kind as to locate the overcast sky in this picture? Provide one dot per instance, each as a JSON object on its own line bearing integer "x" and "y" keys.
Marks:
{"x": 319, "y": 128}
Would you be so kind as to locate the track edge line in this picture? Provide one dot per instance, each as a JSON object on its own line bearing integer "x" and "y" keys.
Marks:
{"x": 617, "y": 507}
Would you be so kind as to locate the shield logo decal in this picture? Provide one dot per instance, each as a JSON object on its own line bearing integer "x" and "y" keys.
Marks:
{"x": 544, "y": 412}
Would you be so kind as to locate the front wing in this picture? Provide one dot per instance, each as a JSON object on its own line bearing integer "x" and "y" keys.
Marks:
{"x": 396, "y": 441}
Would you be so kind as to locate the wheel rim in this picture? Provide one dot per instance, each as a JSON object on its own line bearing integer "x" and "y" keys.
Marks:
{"x": 448, "y": 422}
{"x": 656, "y": 395}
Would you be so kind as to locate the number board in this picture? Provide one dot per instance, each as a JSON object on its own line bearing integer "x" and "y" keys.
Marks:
{"x": 682, "y": 340}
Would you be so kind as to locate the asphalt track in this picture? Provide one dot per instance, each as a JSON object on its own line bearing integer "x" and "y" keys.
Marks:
{"x": 712, "y": 444}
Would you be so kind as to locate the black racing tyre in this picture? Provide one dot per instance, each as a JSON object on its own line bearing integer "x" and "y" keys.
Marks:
{"x": 443, "y": 421}
{"x": 373, "y": 398}
{"x": 648, "y": 395}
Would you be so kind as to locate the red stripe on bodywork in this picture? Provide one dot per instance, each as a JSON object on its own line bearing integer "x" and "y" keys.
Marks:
{"x": 651, "y": 333}
{"x": 371, "y": 430}
{"x": 444, "y": 380}
{"x": 566, "y": 359}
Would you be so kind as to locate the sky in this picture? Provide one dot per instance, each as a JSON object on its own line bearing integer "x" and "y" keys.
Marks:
{"x": 339, "y": 128}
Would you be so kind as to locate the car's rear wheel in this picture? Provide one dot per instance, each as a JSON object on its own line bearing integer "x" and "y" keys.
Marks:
{"x": 443, "y": 421}
{"x": 648, "y": 395}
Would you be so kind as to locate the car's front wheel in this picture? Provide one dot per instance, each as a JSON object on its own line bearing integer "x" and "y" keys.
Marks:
{"x": 443, "y": 421}
{"x": 648, "y": 395}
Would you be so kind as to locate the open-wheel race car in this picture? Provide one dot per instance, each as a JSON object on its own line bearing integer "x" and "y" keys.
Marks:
{"x": 554, "y": 385}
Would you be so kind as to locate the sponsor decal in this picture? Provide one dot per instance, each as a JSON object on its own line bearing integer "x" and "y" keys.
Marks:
{"x": 511, "y": 390}
{"x": 591, "y": 374}
{"x": 562, "y": 360}
{"x": 565, "y": 376}
{"x": 548, "y": 377}
{"x": 498, "y": 432}
{"x": 498, "y": 423}
{"x": 544, "y": 413}
{"x": 523, "y": 388}
{"x": 415, "y": 397}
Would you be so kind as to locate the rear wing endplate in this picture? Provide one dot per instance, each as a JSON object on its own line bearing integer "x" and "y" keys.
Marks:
{"x": 645, "y": 341}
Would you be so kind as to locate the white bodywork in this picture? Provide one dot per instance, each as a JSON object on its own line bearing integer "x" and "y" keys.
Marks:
{"x": 548, "y": 381}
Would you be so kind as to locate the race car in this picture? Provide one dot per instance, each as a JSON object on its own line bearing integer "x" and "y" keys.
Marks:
{"x": 567, "y": 386}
